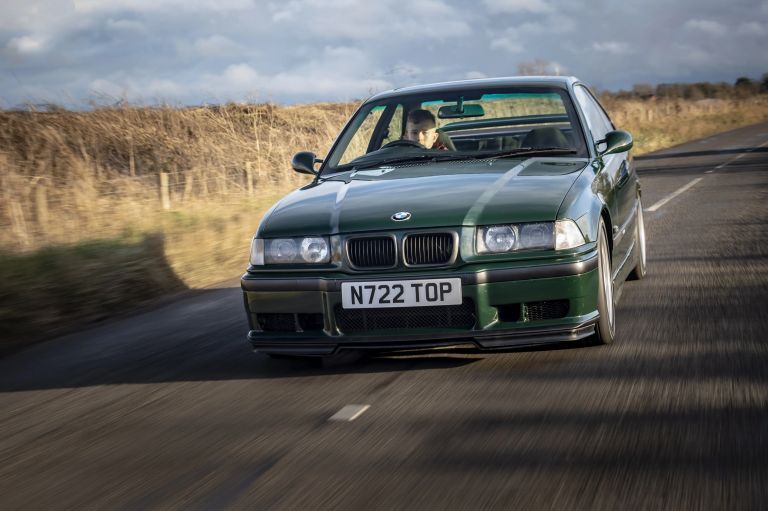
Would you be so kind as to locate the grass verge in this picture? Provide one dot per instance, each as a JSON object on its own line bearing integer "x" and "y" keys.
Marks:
{"x": 48, "y": 291}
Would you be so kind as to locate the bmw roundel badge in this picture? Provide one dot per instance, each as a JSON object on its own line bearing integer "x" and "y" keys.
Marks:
{"x": 401, "y": 216}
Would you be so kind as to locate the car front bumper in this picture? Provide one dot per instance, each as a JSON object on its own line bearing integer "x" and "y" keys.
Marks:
{"x": 504, "y": 307}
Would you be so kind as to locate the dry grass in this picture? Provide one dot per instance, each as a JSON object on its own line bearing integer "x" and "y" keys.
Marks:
{"x": 657, "y": 125}
{"x": 69, "y": 176}
{"x": 74, "y": 179}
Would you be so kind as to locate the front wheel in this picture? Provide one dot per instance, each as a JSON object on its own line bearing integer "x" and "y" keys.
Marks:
{"x": 606, "y": 324}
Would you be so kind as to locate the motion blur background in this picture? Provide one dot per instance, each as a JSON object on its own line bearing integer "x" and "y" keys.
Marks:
{"x": 151, "y": 135}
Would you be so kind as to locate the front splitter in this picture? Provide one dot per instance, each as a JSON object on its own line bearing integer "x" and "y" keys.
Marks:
{"x": 493, "y": 340}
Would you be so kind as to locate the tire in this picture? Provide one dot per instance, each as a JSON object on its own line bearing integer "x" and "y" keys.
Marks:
{"x": 641, "y": 269}
{"x": 605, "y": 329}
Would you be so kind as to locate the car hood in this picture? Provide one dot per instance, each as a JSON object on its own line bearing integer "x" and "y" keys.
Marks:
{"x": 435, "y": 194}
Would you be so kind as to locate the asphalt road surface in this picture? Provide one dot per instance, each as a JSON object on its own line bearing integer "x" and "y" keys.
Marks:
{"x": 168, "y": 409}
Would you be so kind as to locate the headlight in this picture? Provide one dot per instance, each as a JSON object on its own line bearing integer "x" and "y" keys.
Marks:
{"x": 500, "y": 238}
{"x": 302, "y": 250}
{"x": 314, "y": 250}
{"x": 497, "y": 239}
{"x": 568, "y": 235}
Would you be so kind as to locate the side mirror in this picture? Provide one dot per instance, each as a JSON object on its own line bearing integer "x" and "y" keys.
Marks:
{"x": 304, "y": 162}
{"x": 618, "y": 141}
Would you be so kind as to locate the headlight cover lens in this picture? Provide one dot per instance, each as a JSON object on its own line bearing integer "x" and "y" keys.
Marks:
{"x": 314, "y": 250}
{"x": 303, "y": 250}
{"x": 498, "y": 239}
{"x": 568, "y": 235}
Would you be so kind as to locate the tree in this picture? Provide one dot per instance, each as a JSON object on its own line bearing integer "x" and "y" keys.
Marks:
{"x": 643, "y": 90}
{"x": 745, "y": 87}
{"x": 540, "y": 67}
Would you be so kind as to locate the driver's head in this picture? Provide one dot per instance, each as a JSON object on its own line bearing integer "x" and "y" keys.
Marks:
{"x": 421, "y": 127}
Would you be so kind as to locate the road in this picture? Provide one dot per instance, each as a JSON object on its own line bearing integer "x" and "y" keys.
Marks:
{"x": 168, "y": 409}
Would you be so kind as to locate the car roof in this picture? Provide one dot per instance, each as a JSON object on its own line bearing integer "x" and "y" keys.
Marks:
{"x": 562, "y": 82}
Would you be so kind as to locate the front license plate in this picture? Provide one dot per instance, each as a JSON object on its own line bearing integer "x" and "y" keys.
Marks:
{"x": 400, "y": 293}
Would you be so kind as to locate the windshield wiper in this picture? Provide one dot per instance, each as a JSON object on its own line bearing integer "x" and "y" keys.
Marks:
{"x": 528, "y": 151}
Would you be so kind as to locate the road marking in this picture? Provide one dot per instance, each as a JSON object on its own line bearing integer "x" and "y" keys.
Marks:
{"x": 673, "y": 195}
{"x": 349, "y": 413}
{"x": 740, "y": 155}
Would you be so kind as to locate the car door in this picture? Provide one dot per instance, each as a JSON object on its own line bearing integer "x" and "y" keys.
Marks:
{"x": 620, "y": 188}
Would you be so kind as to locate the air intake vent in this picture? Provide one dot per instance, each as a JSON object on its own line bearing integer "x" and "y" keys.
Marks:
{"x": 378, "y": 252}
{"x": 460, "y": 317}
{"x": 428, "y": 249}
{"x": 552, "y": 309}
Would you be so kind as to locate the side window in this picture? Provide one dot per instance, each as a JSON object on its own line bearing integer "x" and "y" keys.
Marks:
{"x": 598, "y": 122}
{"x": 359, "y": 143}
{"x": 395, "y": 128}
{"x": 601, "y": 111}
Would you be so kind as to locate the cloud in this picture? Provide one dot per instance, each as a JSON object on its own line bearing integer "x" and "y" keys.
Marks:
{"x": 507, "y": 43}
{"x": 389, "y": 20}
{"x": 752, "y": 28}
{"x": 512, "y": 39}
{"x": 217, "y": 46}
{"x": 517, "y": 6}
{"x": 26, "y": 45}
{"x": 613, "y": 47}
{"x": 88, "y": 6}
{"x": 102, "y": 86}
{"x": 335, "y": 73}
{"x": 473, "y": 75}
{"x": 706, "y": 26}
{"x": 125, "y": 25}
{"x": 42, "y": 15}
{"x": 193, "y": 51}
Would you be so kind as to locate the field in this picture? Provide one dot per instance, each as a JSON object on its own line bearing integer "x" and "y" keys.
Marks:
{"x": 106, "y": 209}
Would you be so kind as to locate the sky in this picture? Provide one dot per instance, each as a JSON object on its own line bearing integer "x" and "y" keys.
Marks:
{"x": 191, "y": 52}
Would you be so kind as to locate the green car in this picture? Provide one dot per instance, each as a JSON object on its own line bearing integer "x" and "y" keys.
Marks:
{"x": 493, "y": 213}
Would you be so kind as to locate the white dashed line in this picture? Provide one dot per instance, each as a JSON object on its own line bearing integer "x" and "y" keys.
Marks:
{"x": 738, "y": 156}
{"x": 673, "y": 195}
{"x": 692, "y": 183}
{"x": 349, "y": 413}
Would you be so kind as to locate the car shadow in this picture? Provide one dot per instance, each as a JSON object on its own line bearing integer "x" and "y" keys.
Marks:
{"x": 218, "y": 358}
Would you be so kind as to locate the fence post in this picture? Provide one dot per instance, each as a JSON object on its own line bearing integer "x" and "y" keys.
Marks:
{"x": 41, "y": 204}
{"x": 189, "y": 180}
{"x": 18, "y": 223}
{"x": 204, "y": 184}
{"x": 223, "y": 180}
{"x": 165, "y": 197}
{"x": 249, "y": 177}
{"x": 131, "y": 159}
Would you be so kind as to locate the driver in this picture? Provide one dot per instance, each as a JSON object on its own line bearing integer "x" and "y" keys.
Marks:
{"x": 421, "y": 127}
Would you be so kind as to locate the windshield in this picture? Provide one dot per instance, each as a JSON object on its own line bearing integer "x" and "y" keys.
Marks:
{"x": 457, "y": 125}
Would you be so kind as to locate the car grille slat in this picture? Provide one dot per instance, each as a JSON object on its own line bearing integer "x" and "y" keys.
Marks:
{"x": 461, "y": 317}
{"x": 550, "y": 309}
{"x": 428, "y": 248}
{"x": 372, "y": 252}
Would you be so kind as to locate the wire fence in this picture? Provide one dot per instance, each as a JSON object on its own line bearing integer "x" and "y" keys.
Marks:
{"x": 33, "y": 205}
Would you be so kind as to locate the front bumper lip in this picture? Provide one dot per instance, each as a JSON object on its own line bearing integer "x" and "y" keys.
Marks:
{"x": 252, "y": 282}
{"x": 324, "y": 346}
